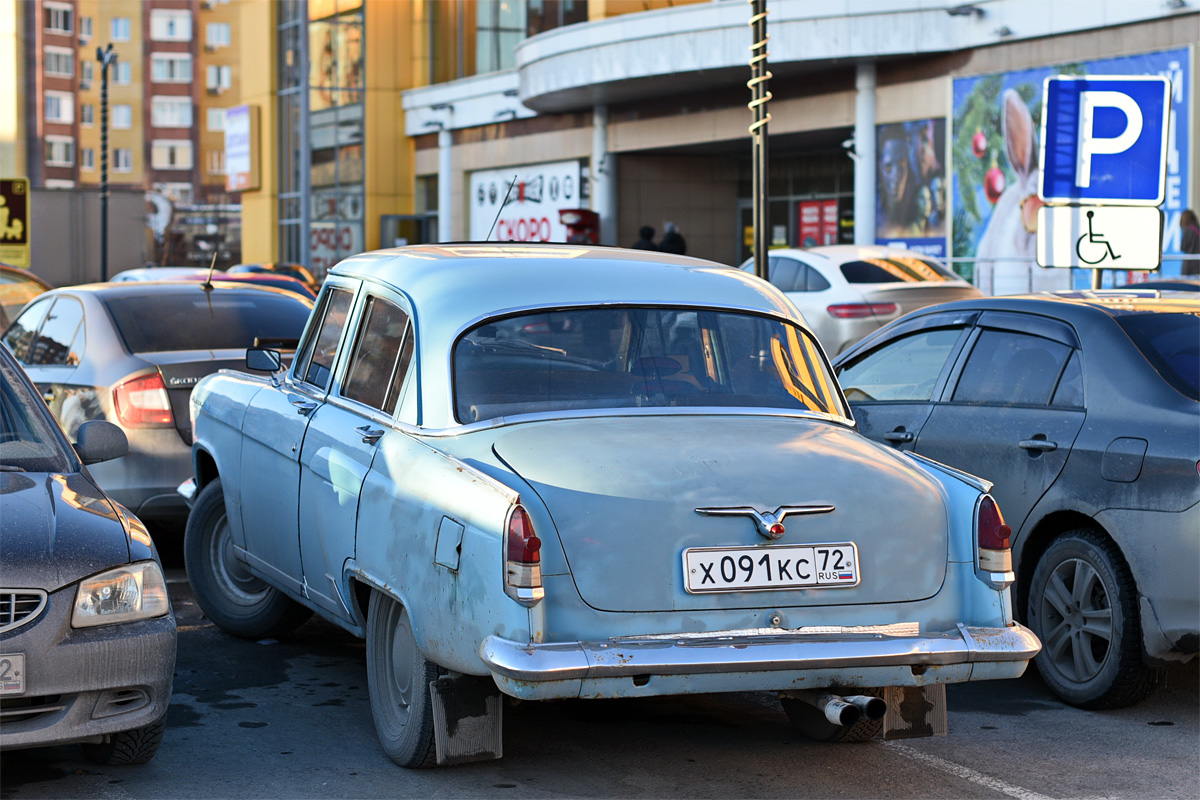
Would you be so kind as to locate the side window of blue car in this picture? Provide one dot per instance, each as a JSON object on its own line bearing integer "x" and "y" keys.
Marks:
{"x": 381, "y": 357}
{"x": 315, "y": 365}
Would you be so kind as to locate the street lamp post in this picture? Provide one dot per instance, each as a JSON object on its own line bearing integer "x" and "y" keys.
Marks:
{"x": 107, "y": 58}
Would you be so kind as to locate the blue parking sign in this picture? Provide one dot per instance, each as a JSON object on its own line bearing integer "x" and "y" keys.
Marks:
{"x": 1104, "y": 139}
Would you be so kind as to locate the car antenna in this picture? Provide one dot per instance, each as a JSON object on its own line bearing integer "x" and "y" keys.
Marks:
{"x": 503, "y": 203}
{"x": 208, "y": 279}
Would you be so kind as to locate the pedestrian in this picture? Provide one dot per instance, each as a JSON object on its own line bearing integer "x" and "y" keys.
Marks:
{"x": 646, "y": 242}
{"x": 672, "y": 241}
{"x": 1190, "y": 241}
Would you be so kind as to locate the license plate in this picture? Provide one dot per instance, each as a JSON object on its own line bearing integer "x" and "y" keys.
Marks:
{"x": 12, "y": 674}
{"x": 754, "y": 569}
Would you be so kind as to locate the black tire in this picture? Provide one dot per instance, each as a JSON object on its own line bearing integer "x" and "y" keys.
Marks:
{"x": 1083, "y": 607}
{"x": 128, "y": 747}
{"x": 238, "y": 602}
{"x": 808, "y": 720}
{"x": 398, "y": 679}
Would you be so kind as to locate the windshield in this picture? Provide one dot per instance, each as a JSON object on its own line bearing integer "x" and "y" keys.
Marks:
{"x": 1171, "y": 343}
{"x": 638, "y": 357}
{"x": 200, "y": 320}
{"x": 29, "y": 441}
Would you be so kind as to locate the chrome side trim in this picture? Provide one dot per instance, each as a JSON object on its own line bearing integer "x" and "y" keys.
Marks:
{"x": 981, "y": 484}
{"x": 737, "y": 651}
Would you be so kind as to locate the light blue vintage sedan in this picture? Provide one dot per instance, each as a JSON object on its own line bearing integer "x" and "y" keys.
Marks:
{"x": 569, "y": 472}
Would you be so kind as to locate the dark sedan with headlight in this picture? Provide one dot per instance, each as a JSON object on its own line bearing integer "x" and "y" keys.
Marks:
{"x": 87, "y": 637}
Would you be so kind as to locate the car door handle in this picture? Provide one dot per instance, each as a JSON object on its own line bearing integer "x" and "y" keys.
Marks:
{"x": 1040, "y": 445}
{"x": 304, "y": 407}
{"x": 369, "y": 435}
{"x": 898, "y": 437}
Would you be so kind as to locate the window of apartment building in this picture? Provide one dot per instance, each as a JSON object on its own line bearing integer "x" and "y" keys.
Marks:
{"x": 87, "y": 71}
{"x": 219, "y": 78}
{"x": 543, "y": 15}
{"x": 60, "y": 107}
{"x": 171, "y": 112}
{"x": 170, "y": 68}
{"x": 124, "y": 74}
{"x": 120, "y": 29}
{"x": 122, "y": 116}
{"x": 216, "y": 162}
{"x": 122, "y": 160}
{"x": 217, "y": 35}
{"x": 60, "y": 151}
{"x": 500, "y": 27}
{"x": 171, "y": 154}
{"x": 216, "y": 119}
{"x": 58, "y": 17}
{"x": 85, "y": 27}
{"x": 168, "y": 25}
{"x": 87, "y": 114}
{"x": 87, "y": 158}
{"x": 60, "y": 61}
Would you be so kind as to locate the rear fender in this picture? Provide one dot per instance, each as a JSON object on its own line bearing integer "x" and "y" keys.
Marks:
{"x": 454, "y": 592}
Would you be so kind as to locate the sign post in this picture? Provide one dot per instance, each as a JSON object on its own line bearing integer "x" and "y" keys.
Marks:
{"x": 14, "y": 221}
{"x": 1103, "y": 172}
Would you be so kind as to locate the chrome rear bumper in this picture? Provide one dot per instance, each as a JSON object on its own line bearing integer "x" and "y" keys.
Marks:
{"x": 742, "y": 652}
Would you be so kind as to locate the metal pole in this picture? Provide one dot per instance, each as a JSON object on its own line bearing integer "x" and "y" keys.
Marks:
{"x": 107, "y": 57}
{"x": 759, "y": 75}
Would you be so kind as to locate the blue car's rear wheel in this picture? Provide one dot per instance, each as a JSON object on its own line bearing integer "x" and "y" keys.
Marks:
{"x": 226, "y": 591}
{"x": 398, "y": 679}
{"x": 1083, "y": 606}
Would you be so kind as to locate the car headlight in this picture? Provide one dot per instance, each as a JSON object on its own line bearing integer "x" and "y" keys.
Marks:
{"x": 124, "y": 594}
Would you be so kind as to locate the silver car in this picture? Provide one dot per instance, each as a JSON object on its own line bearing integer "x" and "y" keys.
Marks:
{"x": 130, "y": 353}
{"x": 87, "y": 637}
{"x": 570, "y": 472}
{"x": 848, "y": 291}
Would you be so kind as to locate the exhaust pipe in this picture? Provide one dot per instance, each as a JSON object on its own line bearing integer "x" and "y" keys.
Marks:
{"x": 837, "y": 710}
{"x": 843, "y": 711}
{"x": 873, "y": 708}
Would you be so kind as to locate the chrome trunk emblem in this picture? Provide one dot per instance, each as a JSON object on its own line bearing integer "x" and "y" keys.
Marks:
{"x": 769, "y": 524}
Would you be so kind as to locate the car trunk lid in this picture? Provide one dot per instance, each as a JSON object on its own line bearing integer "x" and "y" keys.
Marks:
{"x": 911, "y": 296}
{"x": 181, "y": 371}
{"x": 623, "y": 494}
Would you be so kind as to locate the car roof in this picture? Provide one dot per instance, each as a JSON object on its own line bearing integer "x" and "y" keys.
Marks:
{"x": 467, "y": 282}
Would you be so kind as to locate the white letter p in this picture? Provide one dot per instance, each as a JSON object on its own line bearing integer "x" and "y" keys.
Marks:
{"x": 1089, "y": 145}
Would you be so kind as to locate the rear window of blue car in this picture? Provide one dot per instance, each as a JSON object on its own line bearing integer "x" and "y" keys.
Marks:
{"x": 1171, "y": 343}
{"x": 595, "y": 358}
{"x": 199, "y": 320}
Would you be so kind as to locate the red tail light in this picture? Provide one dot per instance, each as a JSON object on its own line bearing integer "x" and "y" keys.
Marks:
{"x": 523, "y": 564}
{"x": 861, "y": 310}
{"x": 143, "y": 401}
{"x": 994, "y": 539}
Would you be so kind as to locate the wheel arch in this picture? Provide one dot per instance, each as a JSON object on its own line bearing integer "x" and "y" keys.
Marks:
{"x": 1041, "y": 537}
{"x": 205, "y": 467}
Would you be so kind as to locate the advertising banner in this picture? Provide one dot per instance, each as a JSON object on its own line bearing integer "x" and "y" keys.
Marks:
{"x": 535, "y": 194}
{"x": 242, "y": 171}
{"x": 14, "y": 221}
{"x": 910, "y": 205}
{"x": 818, "y": 222}
{"x": 996, "y": 125}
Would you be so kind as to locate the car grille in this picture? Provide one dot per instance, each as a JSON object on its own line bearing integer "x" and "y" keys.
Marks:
{"x": 19, "y": 607}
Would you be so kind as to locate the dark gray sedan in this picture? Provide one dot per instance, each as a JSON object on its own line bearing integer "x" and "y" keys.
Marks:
{"x": 130, "y": 353}
{"x": 1082, "y": 408}
{"x": 87, "y": 637}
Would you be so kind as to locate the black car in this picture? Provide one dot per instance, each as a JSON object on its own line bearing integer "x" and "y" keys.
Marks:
{"x": 1083, "y": 409}
{"x": 87, "y": 637}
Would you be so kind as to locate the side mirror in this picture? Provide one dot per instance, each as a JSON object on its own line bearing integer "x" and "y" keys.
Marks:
{"x": 100, "y": 440}
{"x": 261, "y": 359}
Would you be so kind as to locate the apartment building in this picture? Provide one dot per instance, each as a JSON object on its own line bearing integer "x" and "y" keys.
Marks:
{"x": 174, "y": 74}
